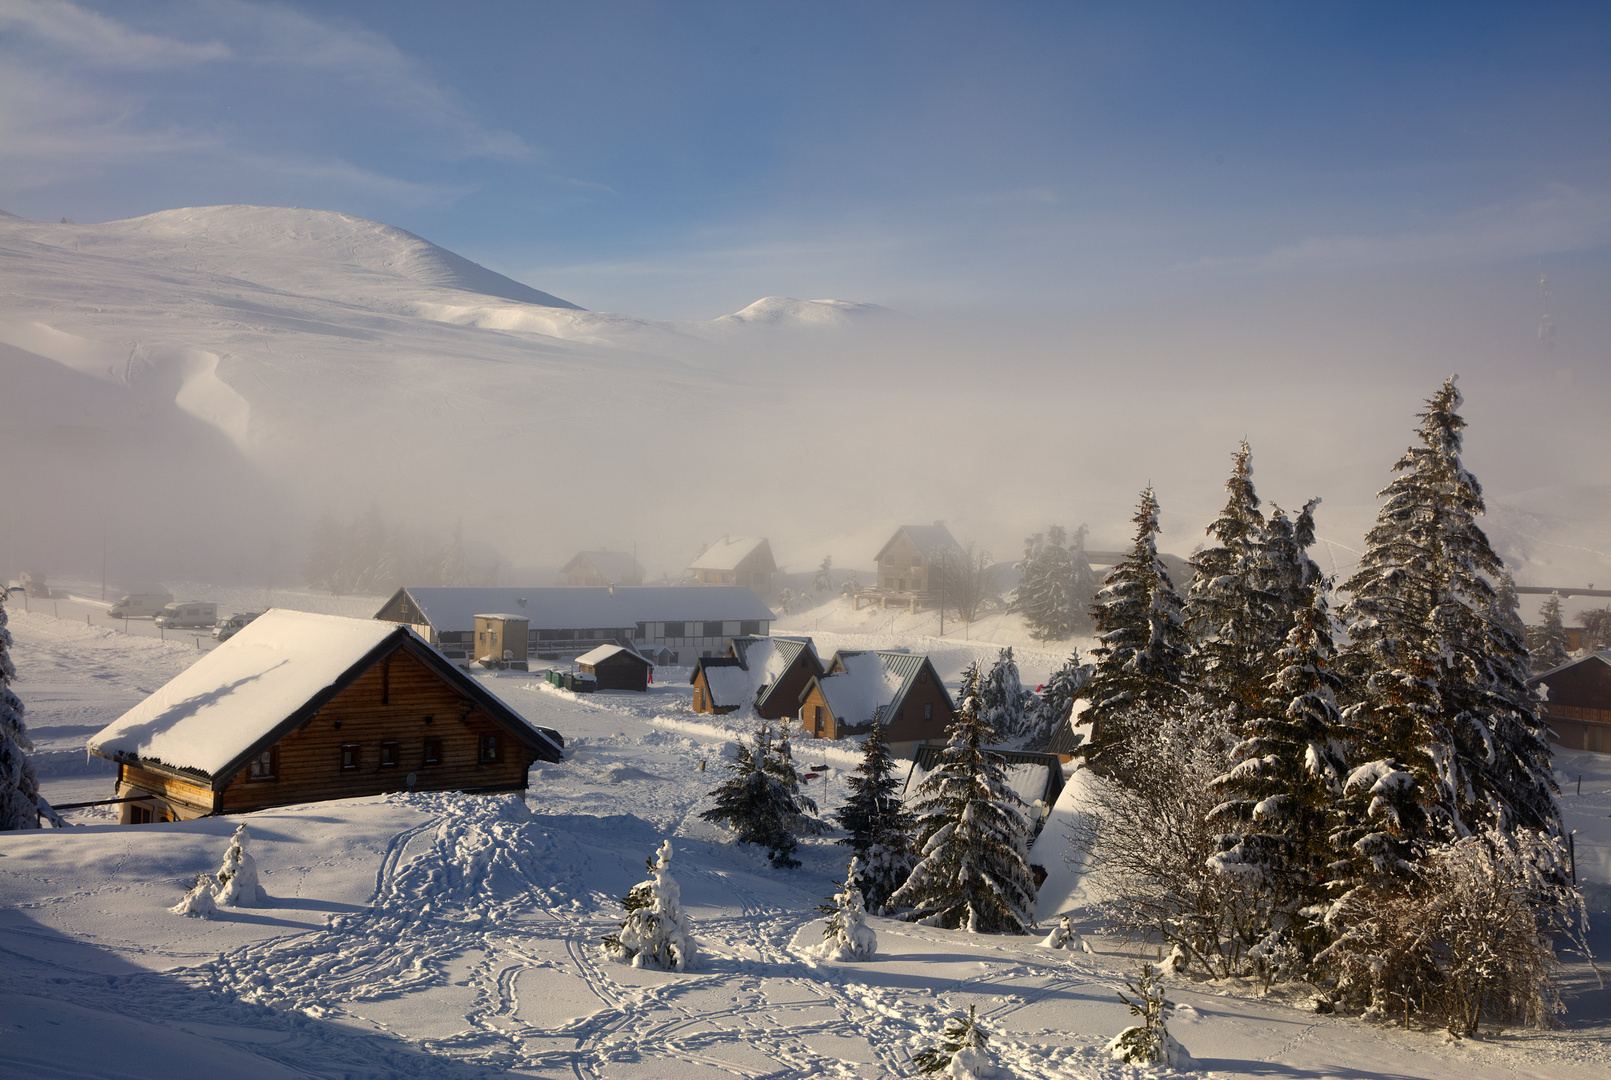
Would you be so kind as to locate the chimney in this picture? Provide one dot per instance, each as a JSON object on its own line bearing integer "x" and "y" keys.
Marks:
{"x": 521, "y": 601}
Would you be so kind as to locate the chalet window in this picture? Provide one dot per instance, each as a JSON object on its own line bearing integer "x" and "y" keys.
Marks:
{"x": 750, "y": 627}
{"x": 902, "y": 585}
{"x": 713, "y": 629}
{"x": 928, "y": 712}
{"x": 388, "y": 754}
{"x": 349, "y": 757}
{"x": 642, "y": 632}
{"x": 674, "y": 629}
{"x": 433, "y": 751}
{"x": 265, "y": 766}
{"x": 491, "y": 748}
{"x": 139, "y": 815}
{"x": 917, "y": 561}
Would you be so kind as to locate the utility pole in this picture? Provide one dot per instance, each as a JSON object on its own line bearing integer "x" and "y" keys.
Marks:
{"x": 942, "y": 593}
{"x": 103, "y": 560}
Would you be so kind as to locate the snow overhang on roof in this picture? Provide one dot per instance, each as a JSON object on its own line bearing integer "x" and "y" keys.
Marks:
{"x": 604, "y": 652}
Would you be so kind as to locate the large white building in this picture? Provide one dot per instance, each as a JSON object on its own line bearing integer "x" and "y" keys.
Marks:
{"x": 566, "y": 621}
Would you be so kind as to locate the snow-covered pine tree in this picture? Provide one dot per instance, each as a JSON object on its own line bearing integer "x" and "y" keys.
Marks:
{"x": 19, "y": 785}
{"x": 656, "y": 932}
{"x": 847, "y": 935}
{"x": 201, "y": 901}
{"x": 1149, "y": 1042}
{"x": 1003, "y": 702}
{"x": 1507, "y": 607}
{"x": 1224, "y": 611}
{"x": 880, "y": 828}
{"x": 1142, "y": 645}
{"x": 1056, "y": 585}
{"x": 1057, "y": 695}
{"x": 755, "y": 804}
{"x": 963, "y": 1051}
{"x": 237, "y": 877}
{"x": 1286, "y": 775}
{"x": 780, "y": 764}
{"x": 823, "y": 582}
{"x": 1448, "y": 736}
{"x": 1548, "y": 647}
{"x": 973, "y": 870}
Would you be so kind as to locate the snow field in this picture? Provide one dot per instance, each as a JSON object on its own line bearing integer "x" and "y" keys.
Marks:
{"x": 440, "y": 935}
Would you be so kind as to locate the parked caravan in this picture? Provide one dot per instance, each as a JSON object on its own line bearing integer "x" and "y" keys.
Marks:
{"x": 139, "y": 605}
{"x": 189, "y": 613}
{"x": 228, "y": 628}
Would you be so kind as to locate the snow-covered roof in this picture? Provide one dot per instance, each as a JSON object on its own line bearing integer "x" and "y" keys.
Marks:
{"x": 229, "y": 704}
{"x": 1603, "y": 657}
{"x": 604, "y": 652}
{"x": 500, "y": 616}
{"x": 589, "y": 607}
{"x": 727, "y": 553}
{"x": 871, "y": 686}
{"x": 1033, "y": 776}
{"x": 730, "y": 685}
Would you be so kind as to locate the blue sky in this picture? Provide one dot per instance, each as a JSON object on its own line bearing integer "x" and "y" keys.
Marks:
{"x": 682, "y": 159}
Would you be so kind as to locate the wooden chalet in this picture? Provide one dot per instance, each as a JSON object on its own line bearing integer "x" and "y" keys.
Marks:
{"x": 766, "y": 673}
{"x": 900, "y": 690}
{"x": 1577, "y": 702}
{"x": 299, "y": 708}
{"x": 615, "y": 667}
{"x": 602, "y": 568}
{"x": 911, "y": 567}
{"x": 736, "y": 560}
{"x": 1037, "y": 778}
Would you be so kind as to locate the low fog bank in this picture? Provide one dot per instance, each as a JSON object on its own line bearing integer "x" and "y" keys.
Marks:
{"x": 212, "y": 430}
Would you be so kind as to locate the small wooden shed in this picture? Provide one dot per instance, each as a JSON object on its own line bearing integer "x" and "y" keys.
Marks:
{"x": 616, "y": 668}
{"x": 501, "y": 640}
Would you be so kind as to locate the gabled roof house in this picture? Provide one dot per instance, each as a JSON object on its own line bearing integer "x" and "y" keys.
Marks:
{"x": 912, "y": 561}
{"x": 900, "y": 690}
{"x": 1577, "y": 702}
{"x": 768, "y": 673}
{"x": 298, "y": 707}
{"x": 735, "y": 560}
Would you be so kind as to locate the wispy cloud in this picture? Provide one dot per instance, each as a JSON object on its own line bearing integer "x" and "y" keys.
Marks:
{"x": 1559, "y": 218}
{"x": 92, "y": 36}
{"x": 82, "y": 92}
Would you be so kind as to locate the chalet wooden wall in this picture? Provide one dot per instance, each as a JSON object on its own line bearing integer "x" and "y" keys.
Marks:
{"x": 909, "y": 725}
{"x": 783, "y": 700}
{"x": 186, "y": 800}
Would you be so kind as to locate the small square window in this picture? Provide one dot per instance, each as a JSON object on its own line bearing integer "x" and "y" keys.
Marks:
{"x": 490, "y": 748}
{"x": 674, "y": 630}
{"x": 265, "y": 766}
{"x": 433, "y": 751}
{"x": 349, "y": 757}
{"x": 388, "y": 754}
{"x": 713, "y": 629}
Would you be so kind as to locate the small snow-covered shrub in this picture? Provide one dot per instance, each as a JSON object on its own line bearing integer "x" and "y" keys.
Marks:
{"x": 847, "y": 935}
{"x": 237, "y": 877}
{"x": 1064, "y": 936}
{"x": 655, "y": 934}
{"x": 961, "y": 1054}
{"x": 200, "y": 902}
{"x": 1149, "y": 1042}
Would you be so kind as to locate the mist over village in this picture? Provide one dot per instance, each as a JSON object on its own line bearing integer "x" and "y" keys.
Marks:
{"x": 709, "y": 540}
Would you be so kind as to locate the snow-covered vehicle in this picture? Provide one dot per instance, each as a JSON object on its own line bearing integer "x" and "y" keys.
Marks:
{"x": 139, "y": 605}
{"x": 228, "y": 628}
{"x": 189, "y": 613}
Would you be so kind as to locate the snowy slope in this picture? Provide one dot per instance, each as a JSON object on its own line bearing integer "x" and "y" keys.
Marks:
{"x": 446, "y": 936}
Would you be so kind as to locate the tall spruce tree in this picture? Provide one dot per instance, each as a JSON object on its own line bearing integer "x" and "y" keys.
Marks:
{"x": 1142, "y": 644}
{"x": 19, "y": 785}
{"x": 755, "y": 804}
{"x": 1285, "y": 778}
{"x": 1548, "y": 648}
{"x": 1224, "y": 608}
{"x": 1056, "y": 586}
{"x": 875, "y": 817}
{"x": 1006, "y": 706}
{"x": 973, "y": 873}
{"x": 1447, "y": 735}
